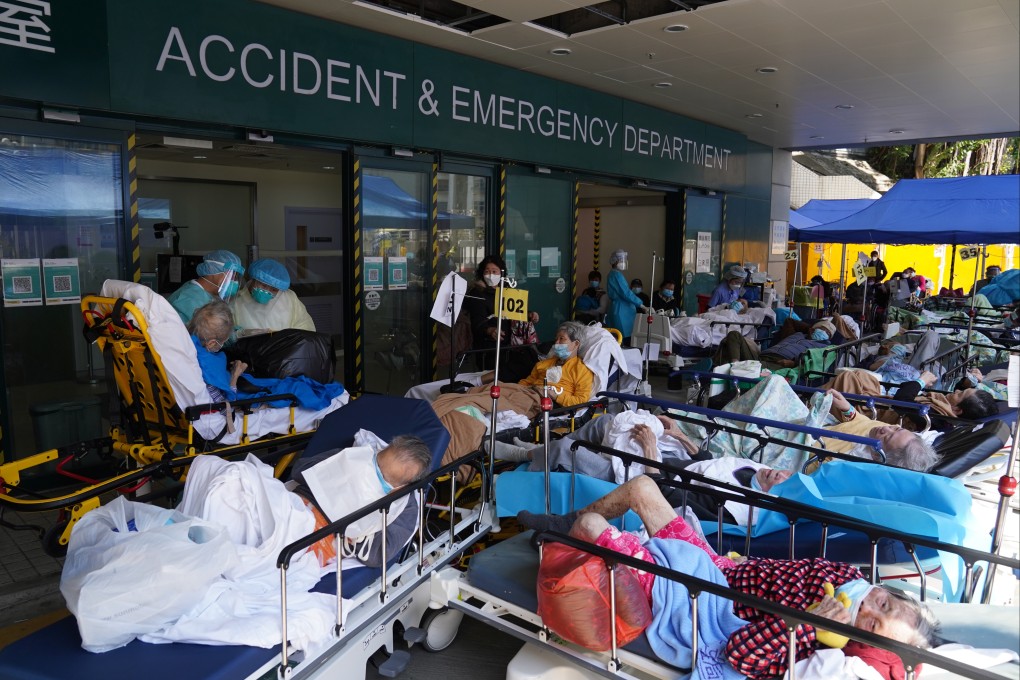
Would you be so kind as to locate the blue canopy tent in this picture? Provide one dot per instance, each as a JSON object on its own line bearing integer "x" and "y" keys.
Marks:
{"x": 798, "y": 222}
{"x": 955, "y": 210}
{"x": 824, "y": 210}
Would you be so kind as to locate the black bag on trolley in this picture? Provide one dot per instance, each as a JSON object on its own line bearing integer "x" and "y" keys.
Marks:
{"x": 286, "y": 353}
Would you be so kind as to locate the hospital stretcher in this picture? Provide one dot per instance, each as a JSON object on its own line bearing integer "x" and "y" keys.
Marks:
{"x": 380, "y": 609}
{"x": 154, "y": 437}
{"x": 656, "y": 328}
{"x": 499, "y": 589}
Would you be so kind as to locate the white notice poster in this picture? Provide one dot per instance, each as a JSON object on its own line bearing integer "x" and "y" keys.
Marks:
{"x": 703, "y": 258}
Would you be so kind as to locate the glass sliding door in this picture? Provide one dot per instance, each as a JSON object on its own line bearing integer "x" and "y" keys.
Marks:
{"x": 538, "y": 245}
{"x": 59, "y": 200}
{"x": 702, "y": 248}
{"x": 396, "y": 295}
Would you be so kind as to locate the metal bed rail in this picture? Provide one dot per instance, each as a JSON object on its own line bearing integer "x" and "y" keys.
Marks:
{"x": 911, "y": 656}
{"x": 862, "y": 400}
{"x": 794, "y": 511}
{"x": 338, "y": 529}
{"x": 712, "y": 414}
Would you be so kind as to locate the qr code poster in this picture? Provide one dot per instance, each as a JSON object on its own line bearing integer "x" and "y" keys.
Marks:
{"x": 61, "y": 280}
{"x": 22, "y": 283}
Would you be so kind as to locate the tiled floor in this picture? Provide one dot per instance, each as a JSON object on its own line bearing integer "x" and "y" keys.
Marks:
{"x": 21, "y": 554}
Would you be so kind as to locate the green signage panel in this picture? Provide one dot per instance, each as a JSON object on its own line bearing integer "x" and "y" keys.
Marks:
{"x": 55, "y": 51}
{"x": 249, "y": 64}
{"x": 245, "y": 63}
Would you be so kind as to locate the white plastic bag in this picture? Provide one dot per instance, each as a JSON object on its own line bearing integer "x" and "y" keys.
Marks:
{"x": 132, "y": 569}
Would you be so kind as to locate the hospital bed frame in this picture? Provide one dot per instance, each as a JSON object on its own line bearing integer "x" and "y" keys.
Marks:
{"x": 505, "y": 612}
{"x": 154, "y": 436}
{"x": 861, "y": 400}
{"x": 382, "y": 613}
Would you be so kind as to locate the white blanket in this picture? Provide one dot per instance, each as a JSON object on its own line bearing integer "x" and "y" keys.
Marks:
{"x": 261, "y": 517}
{"x": 697, "y": 331}
{"x": 172, "y": 343}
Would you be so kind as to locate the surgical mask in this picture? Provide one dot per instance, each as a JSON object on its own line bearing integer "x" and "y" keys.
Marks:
{"x": 899, "y": 351}
{"x": 666, "y": 293}
{"x": 386, "y": 486}
{"x": 856, "y": 590}
{"x": 755, "y": 485}
{"x": 594, "y": 284}
{"x": 622, "y": 266}
{"x": 736, "y": 305}
{"x": 819, "y": 335}
{"x": 561, "y": 351}
{"x": 492, "y": 279}
{"x": 735, "y": 285}
{"x": 261, "y": 296}
{"x": 208, "y": 344}
{"x": 637, "y": 289}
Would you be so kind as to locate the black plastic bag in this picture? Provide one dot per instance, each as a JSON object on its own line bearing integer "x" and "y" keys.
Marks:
{"x": 287, "y": 353}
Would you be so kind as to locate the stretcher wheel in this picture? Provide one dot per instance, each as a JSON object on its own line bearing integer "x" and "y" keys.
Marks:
{"x": 51, "y": 544}
{"x": 440, "y": 626}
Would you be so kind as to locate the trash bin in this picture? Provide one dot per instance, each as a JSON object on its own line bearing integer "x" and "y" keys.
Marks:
{"x": 59, "y": 423}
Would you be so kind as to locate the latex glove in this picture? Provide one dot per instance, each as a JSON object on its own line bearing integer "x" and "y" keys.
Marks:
{"x": 825, "y": 637}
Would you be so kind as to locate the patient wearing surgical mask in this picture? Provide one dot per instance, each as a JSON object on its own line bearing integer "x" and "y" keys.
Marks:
{"x": 266, "y": 302}
{"x": 341, "y": 481}
{"x": 569, "y": 380}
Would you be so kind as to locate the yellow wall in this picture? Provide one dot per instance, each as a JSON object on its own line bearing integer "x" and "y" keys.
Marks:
{"x": 922, "y": 258}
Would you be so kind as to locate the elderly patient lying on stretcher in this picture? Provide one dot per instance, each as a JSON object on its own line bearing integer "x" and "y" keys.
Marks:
{"x": 338, "y": 482}
{"x": 753, "y": 643}
{"x": 234, "y": 519}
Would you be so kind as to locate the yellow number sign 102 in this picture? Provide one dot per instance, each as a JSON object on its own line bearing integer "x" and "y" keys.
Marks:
{"x": 515, "y": 304}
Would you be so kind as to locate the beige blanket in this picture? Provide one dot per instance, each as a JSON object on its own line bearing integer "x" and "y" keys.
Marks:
{"x": 466, "y": 432}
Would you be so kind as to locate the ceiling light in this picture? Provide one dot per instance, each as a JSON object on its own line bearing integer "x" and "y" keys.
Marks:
{"x": 199, "y": 158}
{"x": 816, "y": 137}
{"x": 560, "y": 51}
{"x": 844, "y": 107}
{"x": 675, "y": 28}
{"x": 62, "y": 116}
{"x": 403, "y": 153}
{"x": 188, "y": 143}
{"x": 767, "y": 69}
{"x": 896, "y": 131}
{"x": 329, "y": 167}
{"x": 753, "y": 115}
{"x": 542, "y": 170}
{"x": 663, "y": 84}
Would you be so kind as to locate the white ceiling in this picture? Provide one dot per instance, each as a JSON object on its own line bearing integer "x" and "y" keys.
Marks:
{"x": 931, "y": 68}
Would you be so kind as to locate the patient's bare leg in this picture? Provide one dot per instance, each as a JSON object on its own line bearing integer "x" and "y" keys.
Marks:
{"x": 641, "y": 495}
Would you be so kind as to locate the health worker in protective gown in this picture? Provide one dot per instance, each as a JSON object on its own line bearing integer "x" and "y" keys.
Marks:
{"x": 266, "y": 303}
{"x": 623, "y": 303}
{"x": 219, "y": 278}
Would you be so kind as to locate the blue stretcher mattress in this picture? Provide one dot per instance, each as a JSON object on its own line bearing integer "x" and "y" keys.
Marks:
{"x": 33, "y": 657}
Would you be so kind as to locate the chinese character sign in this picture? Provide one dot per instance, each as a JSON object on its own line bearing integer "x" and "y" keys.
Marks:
{"x": 22, "y": 24}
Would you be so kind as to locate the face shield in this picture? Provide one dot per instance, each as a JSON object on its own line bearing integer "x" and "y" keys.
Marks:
{"x": 230, "y": 283}
{"x": 620, "y": 260}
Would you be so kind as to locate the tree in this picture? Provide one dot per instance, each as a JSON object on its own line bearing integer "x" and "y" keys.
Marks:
{"x": 948, "y": 159}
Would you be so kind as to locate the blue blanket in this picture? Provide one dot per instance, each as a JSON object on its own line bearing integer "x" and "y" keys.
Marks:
{"x": 520, "y": 490}
{"x": 903, "y": 500}
{"x": 671, "y": 632}
{"x": 310, "y": 394}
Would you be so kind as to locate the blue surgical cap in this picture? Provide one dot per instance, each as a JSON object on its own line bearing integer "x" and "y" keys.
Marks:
{"x": 270, "y": 272}
{"x": 219, "y": 261}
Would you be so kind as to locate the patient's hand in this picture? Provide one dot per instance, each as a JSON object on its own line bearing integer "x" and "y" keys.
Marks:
{"x": 644, "y": 436}
{"x": 928, "y": 378}
{"x": 838, "y": 400}
{"x": 831, "y": 608}
{"x": 236, "y": 369}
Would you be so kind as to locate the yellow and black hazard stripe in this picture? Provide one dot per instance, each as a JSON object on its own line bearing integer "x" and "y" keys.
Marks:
{"x": 434, "y": 224}
{"x": 722, "y": 238}
{"x": 577, "y": 218}
{"x": 359, "y": 366}
{"x": 135, "y": 247}
{"x": 597, "y": 234}
{"x": 502, "y": 213}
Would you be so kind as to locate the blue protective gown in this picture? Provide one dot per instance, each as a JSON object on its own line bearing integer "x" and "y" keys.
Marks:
{"x": 723, "y": 295}
{"x": 623, "y": 303}
{"x": 189, "y": 297}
